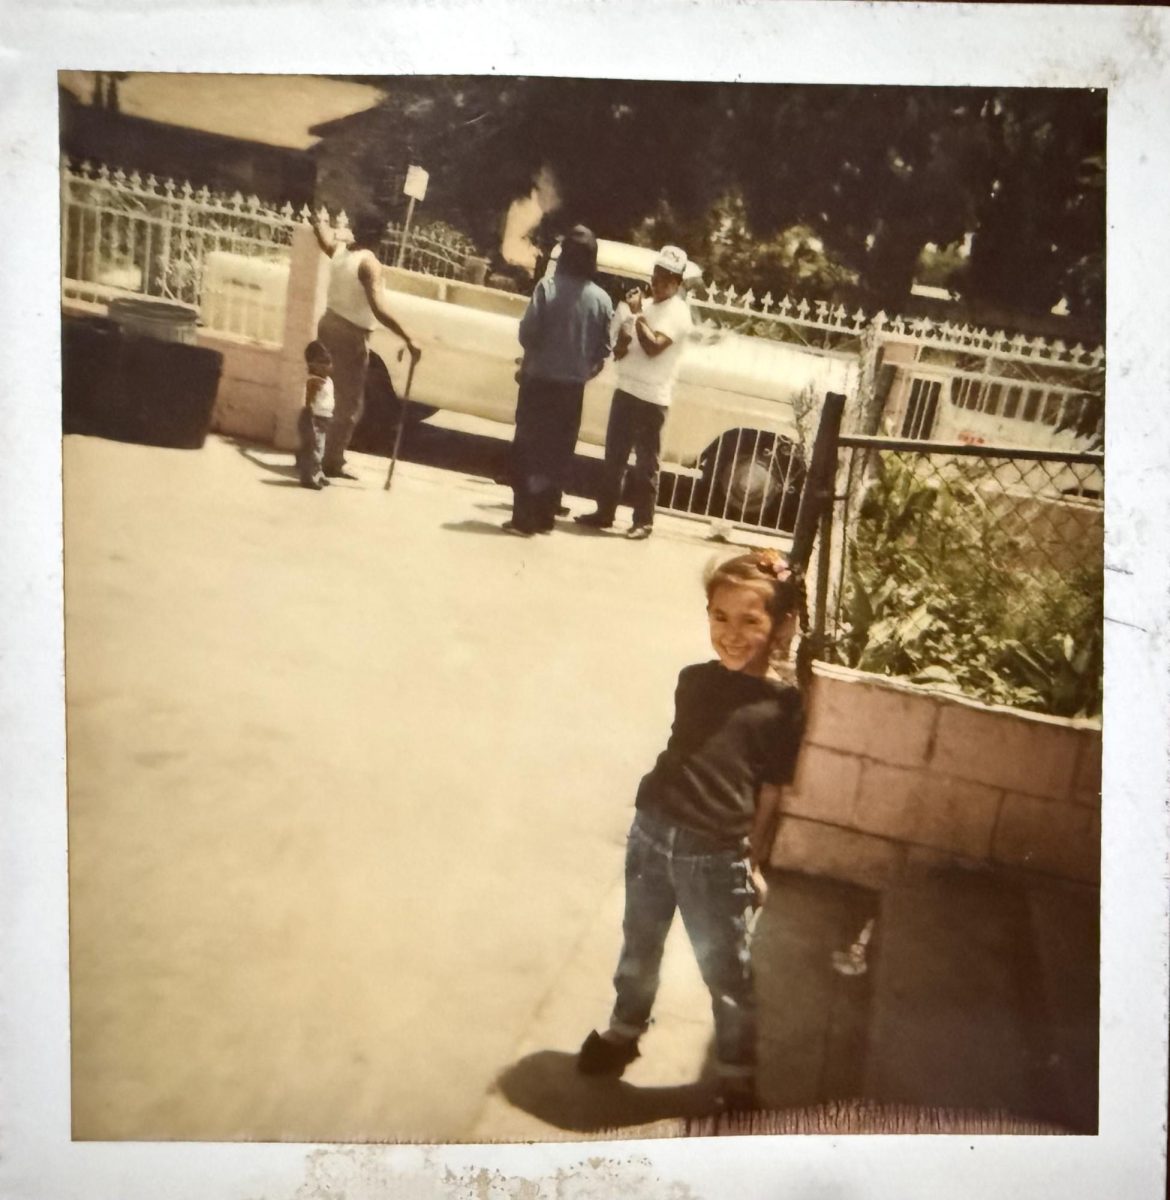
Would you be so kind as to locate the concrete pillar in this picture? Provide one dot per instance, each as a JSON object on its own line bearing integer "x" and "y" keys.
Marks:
{"x": 308, "y": 279}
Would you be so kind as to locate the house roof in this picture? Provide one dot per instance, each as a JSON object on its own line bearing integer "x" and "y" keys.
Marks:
{"x": 275, "y": 110}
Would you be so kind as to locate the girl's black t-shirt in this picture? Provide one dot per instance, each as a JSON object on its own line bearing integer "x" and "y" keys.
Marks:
{"x": 732, "y": 732}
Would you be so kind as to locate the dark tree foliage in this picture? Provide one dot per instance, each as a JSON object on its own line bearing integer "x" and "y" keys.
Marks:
{"x": 874, "y": 172}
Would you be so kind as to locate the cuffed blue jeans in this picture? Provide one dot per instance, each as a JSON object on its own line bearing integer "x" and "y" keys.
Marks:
{"x": 668, "y": 867}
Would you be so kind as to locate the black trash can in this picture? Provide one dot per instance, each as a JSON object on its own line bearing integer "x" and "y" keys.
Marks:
{"x": 131, "y": 388}
{"x": 169, "y": 391}
{"x": 90, "y": 349}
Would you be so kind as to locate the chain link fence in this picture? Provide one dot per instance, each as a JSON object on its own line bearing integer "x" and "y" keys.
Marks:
{"x": 973, "y": 569}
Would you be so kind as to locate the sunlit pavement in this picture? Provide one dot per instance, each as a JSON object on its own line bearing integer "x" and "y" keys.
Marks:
{"x": 350, "y": 774}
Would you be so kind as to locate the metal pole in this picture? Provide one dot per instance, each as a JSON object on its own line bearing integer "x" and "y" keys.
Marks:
{"x": 817, "y": 495}
{"x": 401, "y": 424}
{"x": 405, "y": 233}
{"x": 821, "y": 603}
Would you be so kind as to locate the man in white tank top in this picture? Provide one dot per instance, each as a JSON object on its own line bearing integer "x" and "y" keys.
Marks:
{"x": 353, "y": 309}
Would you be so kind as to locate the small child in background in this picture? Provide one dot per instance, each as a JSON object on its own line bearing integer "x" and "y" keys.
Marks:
{"x": 315, "y": 415}
{"x": 705, "y": 818}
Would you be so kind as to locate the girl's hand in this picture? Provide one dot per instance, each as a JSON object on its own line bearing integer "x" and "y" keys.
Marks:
{"x": 760, "y": 887}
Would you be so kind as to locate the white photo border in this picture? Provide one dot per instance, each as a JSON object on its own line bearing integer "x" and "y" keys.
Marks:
{"x": 1126, "y": 50}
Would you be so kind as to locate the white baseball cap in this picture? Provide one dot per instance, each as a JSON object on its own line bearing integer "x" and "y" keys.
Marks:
{"x": 672, "y": 259}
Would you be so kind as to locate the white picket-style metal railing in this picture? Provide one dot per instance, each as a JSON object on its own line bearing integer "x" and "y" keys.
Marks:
{"x": 128, "y": 235}
{"x": 429, "y": 249}
{"x": 1042, "y": 382}
{"x": 820, "y": 316}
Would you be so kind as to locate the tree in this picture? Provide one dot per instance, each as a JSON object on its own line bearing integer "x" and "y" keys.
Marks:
{"x": 870, "y": 174}
{"x": 1041, "y": 226}
{"x": 792, "y": 260}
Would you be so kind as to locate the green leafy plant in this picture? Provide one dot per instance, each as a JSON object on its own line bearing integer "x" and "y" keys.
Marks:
{"x": 936, "y": 591}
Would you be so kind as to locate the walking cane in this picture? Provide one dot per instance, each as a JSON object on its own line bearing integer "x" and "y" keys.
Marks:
{"x": 401, "y": 418}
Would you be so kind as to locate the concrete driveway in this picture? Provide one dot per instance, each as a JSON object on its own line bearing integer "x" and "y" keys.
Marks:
{"x": 349, "y": 779}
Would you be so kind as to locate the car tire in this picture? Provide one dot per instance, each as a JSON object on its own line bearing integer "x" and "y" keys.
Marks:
{"x": 382, "y": 410}
{"x": 753, "y": 478}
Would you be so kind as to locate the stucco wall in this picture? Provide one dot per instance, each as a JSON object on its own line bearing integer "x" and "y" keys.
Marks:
{"x": 248, "y": 398}
{"x": 261, "y": 388}
{"x": 894, "y": 777}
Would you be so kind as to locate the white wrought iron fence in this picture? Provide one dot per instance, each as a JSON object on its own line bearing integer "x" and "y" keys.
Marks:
{"x": 430, "y": 249}
{"x": 125, "y": 235}
{"x": 992, "y": 386}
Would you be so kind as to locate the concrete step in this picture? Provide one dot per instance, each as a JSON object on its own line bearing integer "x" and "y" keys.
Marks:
{"x": 1065, "y": 927}
{"x": 813, "y": 1021}
{"x": 984, "y": 998}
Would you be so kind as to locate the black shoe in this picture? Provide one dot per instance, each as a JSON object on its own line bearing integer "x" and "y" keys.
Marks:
{"x": 315, "y": 484}
{"x": 517, "y": 530}
{"x": 600, "y": 1056}
{"x": 340, "y": 473}
{"x": 595, "y": 520}
{"x": 639, "y": 533}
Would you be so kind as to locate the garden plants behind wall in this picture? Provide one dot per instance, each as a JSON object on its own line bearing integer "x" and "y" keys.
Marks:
{"x": 942, "y": 586}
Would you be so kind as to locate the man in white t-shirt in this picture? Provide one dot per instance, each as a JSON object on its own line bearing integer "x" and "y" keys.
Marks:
{"x": 649, "y": 347}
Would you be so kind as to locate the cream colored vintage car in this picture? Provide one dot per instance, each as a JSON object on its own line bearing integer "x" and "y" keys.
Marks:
{"x": 732, "y": 426}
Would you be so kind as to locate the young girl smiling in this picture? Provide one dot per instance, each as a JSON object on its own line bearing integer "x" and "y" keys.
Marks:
{"x": 704, "y": 819}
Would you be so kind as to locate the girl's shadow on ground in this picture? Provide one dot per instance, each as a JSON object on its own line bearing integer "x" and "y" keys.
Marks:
{"x": 548, "y": 1085}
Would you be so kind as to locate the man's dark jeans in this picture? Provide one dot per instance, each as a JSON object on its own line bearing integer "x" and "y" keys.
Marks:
{"x": 668, "y": 867}
{"x": 548, "y": 419}
{"x": 633, "y": 425}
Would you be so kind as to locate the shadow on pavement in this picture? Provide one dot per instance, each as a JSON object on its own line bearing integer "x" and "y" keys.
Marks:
{"x": 472, "y": 526}
{"x": 489, "y": 459}
{"x": 548, "y": 1086}
{"x": 287, "y": 469}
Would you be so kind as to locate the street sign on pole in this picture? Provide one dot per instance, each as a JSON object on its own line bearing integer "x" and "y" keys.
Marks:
{"x": 415, "y": 186}
{"x": 416, "y": 183}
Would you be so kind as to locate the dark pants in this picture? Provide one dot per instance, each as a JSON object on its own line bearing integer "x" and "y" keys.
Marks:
{"x": 633, "y": 425}
{"x": 668, "y": 867}
{"x": 348, "y": 344}
{"x": 548, "y": 419}
{"x": 313, "y": 431}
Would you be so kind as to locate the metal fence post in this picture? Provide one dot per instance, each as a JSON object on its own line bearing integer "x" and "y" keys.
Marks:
{"x": 821, "y": 595}
{"x": 817, "y": 494}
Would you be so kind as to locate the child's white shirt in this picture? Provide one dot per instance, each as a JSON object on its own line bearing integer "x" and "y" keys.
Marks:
{"x": 322, "y": 403}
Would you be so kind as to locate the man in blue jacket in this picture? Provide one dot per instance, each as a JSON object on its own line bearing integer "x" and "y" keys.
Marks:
{"x": 565, "y": 334}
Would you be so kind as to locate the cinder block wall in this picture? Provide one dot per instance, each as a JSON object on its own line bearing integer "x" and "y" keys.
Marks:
{"x": 894, "y": 777}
